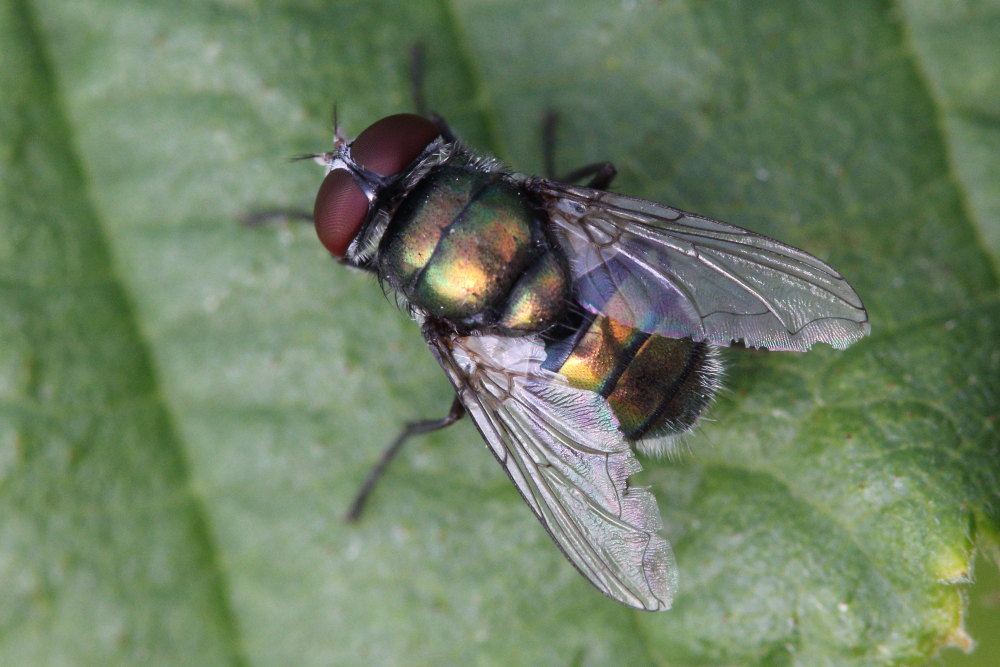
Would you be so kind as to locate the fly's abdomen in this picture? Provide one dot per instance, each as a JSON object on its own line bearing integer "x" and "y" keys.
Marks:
{"x": 464, "y": 246}
{"x": 656, "y": 386}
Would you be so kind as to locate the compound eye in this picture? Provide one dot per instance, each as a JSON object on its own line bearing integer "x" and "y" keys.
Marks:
{"x": 340, "y": 210}
{"x": 390, "y": 144}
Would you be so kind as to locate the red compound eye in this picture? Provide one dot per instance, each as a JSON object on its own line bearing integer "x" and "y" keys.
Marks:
{"x": 340, "y": 210}
{"x": 385, "y": 148}
{"x": 390, "y": 144}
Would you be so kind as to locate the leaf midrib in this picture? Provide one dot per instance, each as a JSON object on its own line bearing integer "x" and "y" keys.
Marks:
{"x": 73, "y": 156}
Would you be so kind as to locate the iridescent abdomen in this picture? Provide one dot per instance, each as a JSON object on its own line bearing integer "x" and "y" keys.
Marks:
{"x": 464, "y": 246}
{"x": 656, "y": 386}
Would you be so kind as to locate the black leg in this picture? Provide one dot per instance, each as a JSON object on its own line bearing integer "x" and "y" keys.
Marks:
{"x": 411, "y": 429}
{"x": 267, "y": 216}
{"x": 549, "y": 122}
{"x": 417, "y": 78}
{"x": 419, "y": 95}
{"x": 603, "y": 172}
{"x": 446, "y": 132}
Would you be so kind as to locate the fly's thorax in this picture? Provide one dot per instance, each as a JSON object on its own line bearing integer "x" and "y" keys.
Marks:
{"x": 464, "y": 245}
{"x": 656, "y": 386}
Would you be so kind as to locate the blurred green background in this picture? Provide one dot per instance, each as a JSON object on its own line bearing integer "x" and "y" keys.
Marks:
{"x": 187, "y": 406}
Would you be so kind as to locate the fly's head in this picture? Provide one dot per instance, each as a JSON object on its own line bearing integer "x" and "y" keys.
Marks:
{"x": 367, "y": 177}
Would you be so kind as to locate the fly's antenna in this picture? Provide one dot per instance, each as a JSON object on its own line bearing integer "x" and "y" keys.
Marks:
{"x": 339, "y": 138}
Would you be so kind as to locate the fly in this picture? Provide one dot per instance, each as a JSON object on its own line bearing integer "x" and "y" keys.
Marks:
{"x": 576, "y": 325}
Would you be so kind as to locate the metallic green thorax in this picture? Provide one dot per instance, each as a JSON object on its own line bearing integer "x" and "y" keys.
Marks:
{"x": 466, "y": 247}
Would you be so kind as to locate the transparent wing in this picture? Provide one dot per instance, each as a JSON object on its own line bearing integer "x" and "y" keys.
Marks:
{"x": 673, "y": 273}
{"x": 562, "y": 449}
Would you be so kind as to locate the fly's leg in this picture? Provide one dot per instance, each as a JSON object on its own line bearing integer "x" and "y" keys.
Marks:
{"x": 602, "y": 173}
{"x": 268, "y": 216}
{"x": 417, "y": 53}
{"x": 418, "y": 93}
{"x": 411, "y": 429}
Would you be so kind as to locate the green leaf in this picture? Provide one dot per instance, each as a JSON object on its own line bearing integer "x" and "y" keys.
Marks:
{"x": 188, "y": 406}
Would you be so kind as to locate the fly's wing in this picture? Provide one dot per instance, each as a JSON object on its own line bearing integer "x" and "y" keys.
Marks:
{"x": 562, "y": 449}
{"x": 676, "y": 274}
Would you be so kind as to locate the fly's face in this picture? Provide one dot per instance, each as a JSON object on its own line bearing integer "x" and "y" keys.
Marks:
{"x": 574, "y": 324}
{"x": 362, "y": 174}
